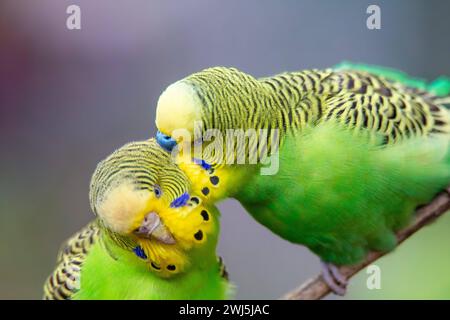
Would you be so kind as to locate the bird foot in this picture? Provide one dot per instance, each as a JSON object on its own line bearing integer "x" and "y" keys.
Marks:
{"x": 334, "y": 278}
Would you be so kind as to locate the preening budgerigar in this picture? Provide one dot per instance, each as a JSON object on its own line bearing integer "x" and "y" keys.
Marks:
{"x": 358, "y": 148}
{"x": 152, "y": 237}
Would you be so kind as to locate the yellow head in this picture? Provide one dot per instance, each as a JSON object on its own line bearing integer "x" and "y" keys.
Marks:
{"x": 179, "y": 107}
{"x": 215, "y": 98}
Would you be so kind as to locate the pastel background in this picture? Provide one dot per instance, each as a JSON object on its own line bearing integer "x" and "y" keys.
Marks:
{"x": 69, "y": 98}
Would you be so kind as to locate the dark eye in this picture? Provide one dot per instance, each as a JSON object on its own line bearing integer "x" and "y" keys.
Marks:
{"x": 157, "y": 190}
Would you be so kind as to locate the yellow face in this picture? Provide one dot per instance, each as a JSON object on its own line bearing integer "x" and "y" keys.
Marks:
{"x": 152, "y": 207}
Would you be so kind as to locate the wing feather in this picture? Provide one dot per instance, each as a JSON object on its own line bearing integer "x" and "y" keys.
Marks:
{"x": 384, "y": 106}
{"x": 65, "y": 279}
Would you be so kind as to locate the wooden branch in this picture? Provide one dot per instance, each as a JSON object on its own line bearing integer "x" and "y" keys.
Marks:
{"x": 316, "y": 288}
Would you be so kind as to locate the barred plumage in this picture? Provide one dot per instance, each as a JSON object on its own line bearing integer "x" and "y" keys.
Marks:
{"x": 65, "y": 279}
{"x": 146, "y": 164}
{"x": 291, "y": 101}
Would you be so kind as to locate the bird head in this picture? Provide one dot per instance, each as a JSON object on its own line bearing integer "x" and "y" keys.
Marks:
{"x": 141, "y": 196}
{"x": 204, "y": 100}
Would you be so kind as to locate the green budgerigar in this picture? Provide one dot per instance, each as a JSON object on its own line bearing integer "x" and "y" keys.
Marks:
{"x": 358, "y": 149}
{"x": 151, "y": 239}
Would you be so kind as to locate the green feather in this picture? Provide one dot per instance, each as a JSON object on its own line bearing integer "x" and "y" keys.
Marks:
{"x": 121, "y": 275}
{"x": 340, "y": 195}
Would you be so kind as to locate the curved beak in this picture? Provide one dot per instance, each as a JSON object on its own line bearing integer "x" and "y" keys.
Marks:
{"x": 165, "y": 141}
{"x": 153, "y": 227}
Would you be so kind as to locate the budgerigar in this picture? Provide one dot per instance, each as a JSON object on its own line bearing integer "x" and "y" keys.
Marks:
{"x": 360, "y": 148}
{"x": 151, "y": 239}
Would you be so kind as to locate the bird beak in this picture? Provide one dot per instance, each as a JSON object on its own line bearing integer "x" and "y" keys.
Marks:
{"x": 153, "y": 227}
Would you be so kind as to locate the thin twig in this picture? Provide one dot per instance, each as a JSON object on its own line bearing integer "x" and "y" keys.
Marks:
{"x": 316, "y": 288}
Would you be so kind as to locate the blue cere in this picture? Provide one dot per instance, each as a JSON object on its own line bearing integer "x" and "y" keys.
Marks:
{"x": 140, "y": 252}
{"x": 180, "y": 201}
{"x": 165, "y": 141}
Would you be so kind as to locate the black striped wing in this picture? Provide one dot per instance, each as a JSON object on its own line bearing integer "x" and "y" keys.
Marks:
{"x": 363, "y": 100}
{"x": 65, "y": 279}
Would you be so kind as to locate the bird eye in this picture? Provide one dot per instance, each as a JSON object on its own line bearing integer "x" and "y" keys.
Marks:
{"x": 157, "y": 190}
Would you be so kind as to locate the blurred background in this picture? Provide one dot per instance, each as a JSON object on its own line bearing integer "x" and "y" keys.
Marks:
{"x": 68, "y": 98}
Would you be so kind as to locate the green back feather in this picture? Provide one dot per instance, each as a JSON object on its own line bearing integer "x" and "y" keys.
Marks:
{"x": 341, "y": 195}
